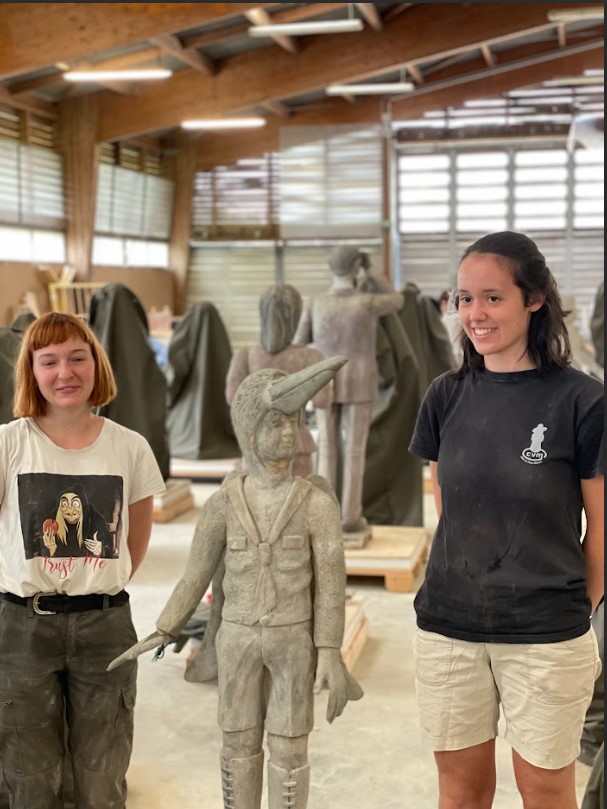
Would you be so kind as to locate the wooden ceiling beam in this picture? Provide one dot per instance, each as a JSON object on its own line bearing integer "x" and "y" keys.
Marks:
{"x": 28, "y": 102}
{"x": 31, "y": 85}
{"x": 278, "y": 108}
{"x": 396, "y": 10}
{"x": 487, "y": 84}
{"x": 226, "y": 149}
{"x": 247, "y": 80}
{"x": 189, "y": 56}
{"x": 538, "y": 51}
{"x": 259, "y": 16}
{"x": 137, "y": 59}
{"x": 206, "y": 38}
{"x": 488, "y": 55}
{"x": 36, "y": 35}
{"x": 415, "y": 72}
{"x": 371, "y": 15}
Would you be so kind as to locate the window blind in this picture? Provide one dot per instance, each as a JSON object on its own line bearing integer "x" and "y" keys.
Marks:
{"x": 236, "y": 202}
{"x": 31, "y": 185}
{"x": 132, "y": 203}
{"x": 449, "y": 196}
{"x": 330, "y": 182}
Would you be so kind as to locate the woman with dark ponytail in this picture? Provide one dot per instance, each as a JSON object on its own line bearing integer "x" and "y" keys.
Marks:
{"x": 514, "y": 438}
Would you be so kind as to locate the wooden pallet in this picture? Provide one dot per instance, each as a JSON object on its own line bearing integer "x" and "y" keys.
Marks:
{"x": 355, "y": 633}
{"x": 176, "y": 499}
{"x": 397, "y": 553}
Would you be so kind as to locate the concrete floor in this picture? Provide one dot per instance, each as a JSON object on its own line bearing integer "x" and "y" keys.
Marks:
{"x": 371, "y": 757}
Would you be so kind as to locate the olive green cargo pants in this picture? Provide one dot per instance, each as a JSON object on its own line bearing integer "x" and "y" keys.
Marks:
{"x": 52, "y": 677}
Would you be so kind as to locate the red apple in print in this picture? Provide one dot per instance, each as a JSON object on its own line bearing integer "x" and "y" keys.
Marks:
{"x": 50, "y": 525}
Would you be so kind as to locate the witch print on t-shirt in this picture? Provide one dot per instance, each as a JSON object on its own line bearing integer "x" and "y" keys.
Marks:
{"x": 64, "y": 515}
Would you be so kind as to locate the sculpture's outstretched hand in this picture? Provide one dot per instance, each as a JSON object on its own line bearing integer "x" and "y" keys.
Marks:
{"x": 332, "y": 674}
{"x": 151, "y": 642}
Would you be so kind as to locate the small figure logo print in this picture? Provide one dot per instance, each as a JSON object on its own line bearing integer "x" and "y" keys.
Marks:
{"x": 534, "y": 453}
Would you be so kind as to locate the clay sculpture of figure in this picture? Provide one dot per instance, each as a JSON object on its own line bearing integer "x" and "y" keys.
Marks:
{"x": 344, "y": 321}
{"x": 283, "y": 618}
{"x": 280, "y": 309}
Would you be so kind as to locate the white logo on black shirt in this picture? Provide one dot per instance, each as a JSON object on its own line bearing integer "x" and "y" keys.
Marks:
{"x": 534, "y": 453}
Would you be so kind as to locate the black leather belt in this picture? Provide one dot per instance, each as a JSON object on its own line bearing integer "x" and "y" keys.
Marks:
{"x": 52, "y": 603}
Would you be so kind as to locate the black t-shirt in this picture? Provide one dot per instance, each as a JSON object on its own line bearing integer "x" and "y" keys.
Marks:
{"x": 506, "y": 563}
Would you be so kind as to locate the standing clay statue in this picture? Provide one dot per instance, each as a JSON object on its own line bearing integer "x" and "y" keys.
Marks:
{"x": 283, "y": 618}
{"x": 280, "y": 310}
{"x": 344, "y": 321}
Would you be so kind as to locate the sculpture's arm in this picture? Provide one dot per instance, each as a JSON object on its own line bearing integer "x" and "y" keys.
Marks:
{"x": 329, "y": 571}
{"x": 237, "y": 373}
{"x": 385, "y": 298}
{"x": 205, "y": 554}
{"x": 304, "y": 334}
{"x": 324, "y": 398}
{"x": 329, "y": 604}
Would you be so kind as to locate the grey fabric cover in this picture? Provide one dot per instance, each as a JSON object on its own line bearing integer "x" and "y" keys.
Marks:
{"x": 119, "y": 321}
{"x": 198, "y": 421}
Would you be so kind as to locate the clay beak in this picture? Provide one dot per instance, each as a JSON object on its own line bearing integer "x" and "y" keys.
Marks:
{"x": 292, "y": 392}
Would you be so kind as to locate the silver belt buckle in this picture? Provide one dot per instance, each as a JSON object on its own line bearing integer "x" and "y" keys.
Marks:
{"x": 37, "y": 609}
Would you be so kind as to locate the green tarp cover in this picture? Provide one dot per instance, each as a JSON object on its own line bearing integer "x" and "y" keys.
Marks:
{"x": 10, "y": 342}
{"x": 413, "y": 347}
{"x": 597, "y": 325}
{"x": 9, "y": 348}
{"x": 199, "y": 423}
{"x": 119, "y": 321}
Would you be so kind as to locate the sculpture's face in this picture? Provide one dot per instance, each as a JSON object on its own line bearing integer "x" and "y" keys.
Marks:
{"x": 276, "y": 439}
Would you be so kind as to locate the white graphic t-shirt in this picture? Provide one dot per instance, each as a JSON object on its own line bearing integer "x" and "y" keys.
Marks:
{"x": 63, "y": 529}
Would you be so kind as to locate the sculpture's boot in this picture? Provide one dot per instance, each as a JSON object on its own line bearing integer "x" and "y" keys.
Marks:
{"x": 241, "y": 780}
{"x": 288, "y": 789}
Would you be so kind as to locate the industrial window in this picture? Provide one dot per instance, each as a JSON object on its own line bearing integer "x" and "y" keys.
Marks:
{"x": 32, "y": 210}
{"x": 114, "y": 251}
{"x": 32, "y": 245}
{"x": 237, "y": 202}
{"x": 457, "y": 191}
{"x": 131, "y": 203}
{"x": 133, "y": 210}
{"x": 330, "y": 182}
{"x": 449, "y": 196}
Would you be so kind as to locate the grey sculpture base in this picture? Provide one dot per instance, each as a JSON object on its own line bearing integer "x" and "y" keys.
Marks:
{"x": 357, "y": 539}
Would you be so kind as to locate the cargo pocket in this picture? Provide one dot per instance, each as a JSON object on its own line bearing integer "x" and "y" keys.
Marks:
{"x": 102, "y": 734}
{"x": 31, "y": 734}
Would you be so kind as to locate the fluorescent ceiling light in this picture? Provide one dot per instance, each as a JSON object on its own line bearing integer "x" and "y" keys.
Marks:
{"x": 573, "y": 80}
{"x": 224, "y": 123}
{"x": 149, "y": 74}
{"x": 575, "y": 14}
{"x": 303, "y": 28}
{"x": 369, "y": 89}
